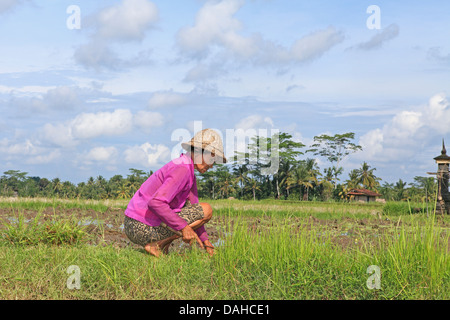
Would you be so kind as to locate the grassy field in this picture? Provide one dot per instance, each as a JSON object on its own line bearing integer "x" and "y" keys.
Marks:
{"x": 264, "y": 250}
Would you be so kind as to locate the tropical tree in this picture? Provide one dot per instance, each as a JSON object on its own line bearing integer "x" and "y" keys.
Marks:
{"x": 399, "y": 190}
{"x": 335, "y": 149}
{"x": 288, "y": 151}
{"x": 227, "y": 186}
{"x": 12, "y": 181}
{"x": 123, "y": 191}
{"x": 353, "y": 181}
{"x": 207, "y": 182}
{"x": 253, "y": 185}
{"x": 283, "y": 174}
{"x": 56, "y": 186}
{"x": 301, "y": 177}
{"x": 367, "y": 178}
{"x": 387, "y": 191}
{"x": 326, "y": 183}
{"x": 427, "y": 187}
{"x": 240, "y": 173}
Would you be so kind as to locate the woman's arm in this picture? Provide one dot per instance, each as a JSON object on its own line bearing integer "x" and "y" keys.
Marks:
{"x": 174, "y": 182}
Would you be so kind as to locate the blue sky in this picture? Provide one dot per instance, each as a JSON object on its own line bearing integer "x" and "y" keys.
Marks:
{"x": 118, "y": 92}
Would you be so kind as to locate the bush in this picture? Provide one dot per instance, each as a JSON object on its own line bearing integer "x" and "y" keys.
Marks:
{"x": 400, "y": 208}
{"x": 56, "y": 232}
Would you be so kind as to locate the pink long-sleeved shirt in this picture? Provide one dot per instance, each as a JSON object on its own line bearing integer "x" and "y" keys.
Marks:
{"x": 164, "y": 193}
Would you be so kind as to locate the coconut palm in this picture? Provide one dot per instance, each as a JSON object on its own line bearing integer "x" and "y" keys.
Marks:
{"x": 240, "y": 173}
{"x": 366, "y": 177}
{"x": 301, "y": 177}
{"x": 57, "y": 186}
{"x": 387, "y": 191}
{"x": 399, "y": 190}
{"x": 124, "y": 190}
{"x": 281, "y": 178}
{"x": 353, "y": 181}
{"x": 253, "y": 185}
{"x": 227, "y": 185}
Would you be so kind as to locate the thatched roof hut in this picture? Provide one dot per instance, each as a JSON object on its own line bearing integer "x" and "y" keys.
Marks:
{"x": 363, "y": 195}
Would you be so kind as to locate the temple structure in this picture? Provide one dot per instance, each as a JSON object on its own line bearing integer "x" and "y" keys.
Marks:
{"x": 443, "y": 200}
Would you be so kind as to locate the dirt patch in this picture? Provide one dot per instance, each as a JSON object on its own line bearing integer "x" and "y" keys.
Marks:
{"x": 103, "y": 228}
{"x": 106, "y": 228}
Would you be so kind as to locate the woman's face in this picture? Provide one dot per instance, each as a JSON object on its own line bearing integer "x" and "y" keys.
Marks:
{"x": 203, "y": 161}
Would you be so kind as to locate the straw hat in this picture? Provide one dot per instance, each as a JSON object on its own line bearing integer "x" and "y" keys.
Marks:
{"x": 208, "y": 140}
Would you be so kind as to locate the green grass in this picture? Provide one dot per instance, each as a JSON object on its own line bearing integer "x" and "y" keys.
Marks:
{"x": 39, "y": 204}
{"x": 56, "y": 231}
{"x": 266, "y": 253}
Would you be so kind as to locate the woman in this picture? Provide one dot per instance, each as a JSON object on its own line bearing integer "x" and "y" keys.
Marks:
{"x": 167, "y": 202}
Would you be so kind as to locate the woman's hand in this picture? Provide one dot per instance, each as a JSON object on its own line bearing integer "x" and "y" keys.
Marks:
{"x": 189, "y": 235}
{"x": 209, "y": 247}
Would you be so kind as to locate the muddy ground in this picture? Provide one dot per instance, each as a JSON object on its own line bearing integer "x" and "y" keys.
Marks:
{"x": 106, "y": 228}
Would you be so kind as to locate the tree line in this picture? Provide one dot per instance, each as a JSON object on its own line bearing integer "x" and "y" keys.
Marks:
{"x": 298, "y": 176}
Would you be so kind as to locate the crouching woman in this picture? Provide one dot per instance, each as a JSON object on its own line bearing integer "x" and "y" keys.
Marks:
{"x": 166, "y": 205}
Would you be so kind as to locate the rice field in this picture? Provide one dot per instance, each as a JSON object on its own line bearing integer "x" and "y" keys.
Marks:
{"x": 265, "y": 250}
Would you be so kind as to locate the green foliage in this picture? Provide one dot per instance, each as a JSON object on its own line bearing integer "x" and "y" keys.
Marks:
{"x": 396, "y": 208}
{"x": 21, "y": 232}
{"x": 295, "y": 178}
{"x": 269, "y": 250}
{"x": 334, "y": 149}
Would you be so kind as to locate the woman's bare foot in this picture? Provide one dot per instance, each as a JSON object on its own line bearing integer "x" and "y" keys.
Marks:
{"x": 154, "y": 248}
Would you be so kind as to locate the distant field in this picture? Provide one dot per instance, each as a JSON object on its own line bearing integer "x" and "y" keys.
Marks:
{"x": 264, "y": 250}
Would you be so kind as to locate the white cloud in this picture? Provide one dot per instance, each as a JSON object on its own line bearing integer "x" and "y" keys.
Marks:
{"x": 389, "y": 33}
{"x": 62, "y": 96}
{"x": 166, "y": 99}
{"x": 28, "y": 152}
{"x": 6, "y": 5}
{"x": 214, "y": 24}
{"x": 91, "y": 125}
{"x": 203, "y": 71}
{"x": 148, "y": 120}
{"x": 57, "y": 134}
{"x": 127, "y": 21}
{"x": 147, "y": 155}
{"x": 246, "y": 129}
{"x": 32, "y": 100}
{"x": 435, "y": 53}
{"x": 47, "y": 157}
{"x": 255, "y": 121}
{"x": 215, "y": 41}
{"x": 25, "y": 148}
{"x": 96, "y": 55}
{"x": 407, "y": 132}
{"x": 315, "y": 44}
{"x": 101, "y": 154}
{"x": 372, "y": 144}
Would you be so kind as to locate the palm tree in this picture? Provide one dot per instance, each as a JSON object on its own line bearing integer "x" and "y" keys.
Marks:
{"x": 124, "y": 190}
{"x": 366, "y": 177}
{"x": 209, "y": 179}
{"x": 314, "y": 172}
{"x": 427, "y": 185}
{"x": 68, "y": 189}
{"x": 386, "y": 191}
{"x": 326, "y": 183}
{"x": 281, "y": 178}
{"x": 240, "y": 173}
{"x": 353, "y": 181}
{"x": 227, "y": 186}
{"x": 56, "y": 186}
{"x": 301, "y": 177}
{"x": 252, "y": 184}
{"x": 399, "y": 189}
